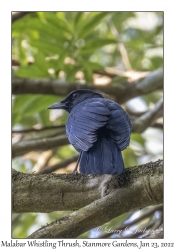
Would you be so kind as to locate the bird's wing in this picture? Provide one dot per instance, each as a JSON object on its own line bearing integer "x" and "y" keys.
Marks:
{"x": 119, "y": 125}
{"x": 84, "y": 121}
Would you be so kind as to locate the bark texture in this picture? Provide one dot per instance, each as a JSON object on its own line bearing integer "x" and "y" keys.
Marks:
{"x": 141, "y": 186}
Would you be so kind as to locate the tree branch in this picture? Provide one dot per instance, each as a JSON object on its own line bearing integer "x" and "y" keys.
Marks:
{"x": 52, "y": 192}
{"x": 104, "y": 73}
{"x": 157, "y": 125}
{"x": 24, "y": 147}
{"x": 129, "y": 222}
{"x": 19, "y": 15}
{"x": 148, "y": 118}
{"x": 122, "y": 92}
{"x": 143, "y": 188}
{"x": 42, "y": 161}
{"x": 38, "y": 129}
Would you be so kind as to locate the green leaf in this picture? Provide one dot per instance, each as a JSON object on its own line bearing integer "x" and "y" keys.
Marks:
{"x": 44, "y": 117}
{"x": 46, "y": 29}
{"x": 129, "y": 157}
{"x": 24, "y": 121}
{"x": 41, "y": 62}
{"x": 153, "y": 97}
{"x": 156, "y": 62}
{"x": 21, "y": 226}
{"x": 95, "y": 66}
{"x": 120, "y": 17}
{"x": 19, "y": 101}
{"x": 29, "y": 106}
{"x": 37, "y": 103}
{"x": 65, "y": 152}
{"x": 138, "y": 138}
{"x": 15, "y": 118}
{"x": 96, "y": 44}
{"x": 59, "y": 23}
{"x": 31, "y": 71}
{"x": 46, "y": 46}
{"x": 78, "y": 18}
{"x": 71, "y": 71}
{"x": 89, "y": 26}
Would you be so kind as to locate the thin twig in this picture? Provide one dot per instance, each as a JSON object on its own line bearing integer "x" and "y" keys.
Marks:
{"x": 157, "y": 125}
{"x": 121, "y": 46}
{"x": 62, "y": 164}
{"x": 38, "y": 129}
{"x": 42, "y": 161}
{"x": 104, "y": 73}
{"x": 148, "y": 119}
{"x": 24, "y": 147}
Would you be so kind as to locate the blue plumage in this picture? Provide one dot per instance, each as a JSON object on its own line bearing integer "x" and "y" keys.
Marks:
{"x": 99, "y": 128}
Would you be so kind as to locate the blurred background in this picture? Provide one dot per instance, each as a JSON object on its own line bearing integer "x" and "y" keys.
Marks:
{"x": 98, "y": 48}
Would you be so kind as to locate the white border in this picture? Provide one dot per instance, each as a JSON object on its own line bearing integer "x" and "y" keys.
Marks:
{"x": 5, "y": 93}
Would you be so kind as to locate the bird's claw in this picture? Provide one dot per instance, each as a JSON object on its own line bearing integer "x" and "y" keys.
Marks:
{"x": 75, "y": 172}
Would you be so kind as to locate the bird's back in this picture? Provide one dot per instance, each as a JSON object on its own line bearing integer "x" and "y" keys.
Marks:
{"x": 100, "y": 129}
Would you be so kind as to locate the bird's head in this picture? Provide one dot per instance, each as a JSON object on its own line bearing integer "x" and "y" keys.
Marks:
{"x": 74, "y": 98}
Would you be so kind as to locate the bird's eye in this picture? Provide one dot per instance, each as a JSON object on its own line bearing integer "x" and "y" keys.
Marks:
{"x": 75, "y": 95}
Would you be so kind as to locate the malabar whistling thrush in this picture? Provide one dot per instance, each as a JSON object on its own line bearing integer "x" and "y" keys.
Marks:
{"x": 98, "y": 128}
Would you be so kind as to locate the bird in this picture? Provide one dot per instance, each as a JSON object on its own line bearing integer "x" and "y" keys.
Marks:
{"x": 99, "y": 129}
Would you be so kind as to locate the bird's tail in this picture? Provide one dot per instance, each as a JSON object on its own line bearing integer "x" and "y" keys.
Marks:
{"x": 103, "y": 158}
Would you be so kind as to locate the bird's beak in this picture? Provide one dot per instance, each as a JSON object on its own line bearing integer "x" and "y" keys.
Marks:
{"x": 58, "y": 105}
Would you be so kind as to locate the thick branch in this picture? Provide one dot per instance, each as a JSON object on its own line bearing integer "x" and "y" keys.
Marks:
{"x": 145, "y": 187}
{"x": 148, "y": 118}
{"x": 122, "y": 92}
{"x": 52, "y": 192}
{"x": 24, "y": 147}
{"x": 19, "y": 15}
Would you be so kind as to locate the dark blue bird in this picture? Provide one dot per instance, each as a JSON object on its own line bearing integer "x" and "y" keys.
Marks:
{"x": 98, "y": 128}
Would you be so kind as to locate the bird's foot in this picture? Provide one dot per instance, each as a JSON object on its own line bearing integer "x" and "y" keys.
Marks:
{"x": 75, "y": 172}
{"x": 104, "y": 187}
